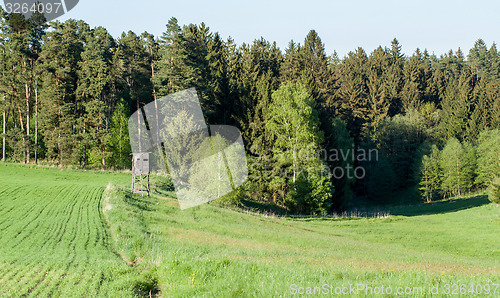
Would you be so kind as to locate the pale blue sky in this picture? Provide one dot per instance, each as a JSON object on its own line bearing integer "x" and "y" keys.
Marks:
{"x": 343, "y": 25}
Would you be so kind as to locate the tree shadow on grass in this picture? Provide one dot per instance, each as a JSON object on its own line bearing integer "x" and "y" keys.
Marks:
{"x": 263, "y": 208}
{"x": 440, "y": 207}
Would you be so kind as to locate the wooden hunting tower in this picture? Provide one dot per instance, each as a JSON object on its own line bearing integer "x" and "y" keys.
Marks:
{"x": 140, "y": 172}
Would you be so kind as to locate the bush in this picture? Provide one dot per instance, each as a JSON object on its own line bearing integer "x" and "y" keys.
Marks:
{"x": 495, "y": 191}
{"x": 232, "y": 199}
{"x": 312, "y": 193}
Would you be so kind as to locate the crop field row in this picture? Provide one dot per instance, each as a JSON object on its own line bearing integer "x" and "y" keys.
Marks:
{"x": 55, "y": 241}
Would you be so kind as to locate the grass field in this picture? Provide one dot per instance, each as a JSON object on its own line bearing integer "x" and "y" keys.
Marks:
{"x": 67, "y": 233}
{"x": 54, "y": 241}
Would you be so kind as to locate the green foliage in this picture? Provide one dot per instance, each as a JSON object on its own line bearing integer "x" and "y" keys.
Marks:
{"x": 338, "y": 138}
{"x": 59, "y": 59}
{"x": 312, "y": 192}
{"x": 294, "y": 125}
{"x": 61, "y": 87}
{"x": 458, "y": 163}
{"x": 132, "y": 68}
{"x": 180, "y": 64}
{"x": 430, "y": 120}
{"x": 381, "y": 183}
{"x": 430, "y": 174}
{"x": 119, "y": 141}
{"x": 482, "y": 61}
{"x": 495, "y": 191}
{"x": 232, "y": 199}
{"x": 398, "y": 139}
{"x": 488, "y": 161}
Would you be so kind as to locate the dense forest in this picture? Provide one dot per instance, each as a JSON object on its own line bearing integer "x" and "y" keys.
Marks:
{"x": 319, "y": 130}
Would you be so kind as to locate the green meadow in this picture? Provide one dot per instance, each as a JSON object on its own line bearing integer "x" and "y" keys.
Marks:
{"x": 82, "y": 233}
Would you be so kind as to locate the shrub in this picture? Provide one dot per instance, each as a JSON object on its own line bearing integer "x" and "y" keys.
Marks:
{"x": 232, "y": 199}
{"x": 495, "y": 191}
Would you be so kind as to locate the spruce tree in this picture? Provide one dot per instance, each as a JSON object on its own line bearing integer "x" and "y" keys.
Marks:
{"x": 394, "y": 77}
{"x": 219, "y": 103}
{"x": 478, "y": 59}
{"x": 353, "y": 92}
{"x": 181, "y": 60}
{"x": 494, "y": 58}
{"x": 378, "y": 103}
{"x": 414, "y": 87}
{"x": 339, "y": 141}
{"x": 457, "y": 107}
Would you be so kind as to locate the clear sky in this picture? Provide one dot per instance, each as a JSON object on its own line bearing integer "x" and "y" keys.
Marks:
{"x": 342, "y": 25}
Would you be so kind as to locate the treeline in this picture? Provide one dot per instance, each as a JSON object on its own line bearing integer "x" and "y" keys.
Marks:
{"x": 67, "y": 91}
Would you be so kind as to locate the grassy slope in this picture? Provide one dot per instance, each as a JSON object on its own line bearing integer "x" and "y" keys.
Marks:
{"x": 212, "y": 251}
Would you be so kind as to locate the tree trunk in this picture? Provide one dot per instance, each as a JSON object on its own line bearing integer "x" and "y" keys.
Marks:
{"x": 103, "y": 156}
{"x": 103, "y": 147}
{"x": 59, "y": 136}
{"x": 84, "y": 149}
{"x": 28, "y": 95}
{"x": 22, "y": 133}
{"x": 4, "y": 125}
{"x": 36, "y": 122}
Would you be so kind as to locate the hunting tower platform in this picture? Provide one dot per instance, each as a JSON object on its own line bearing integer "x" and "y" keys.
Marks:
{"x": 140, "y": 172}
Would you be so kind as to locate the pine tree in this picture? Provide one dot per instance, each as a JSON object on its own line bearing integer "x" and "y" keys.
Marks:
{"x": 4, "y": 50}
{"x": 61, "y": 52}
{"x": 451, "y": 64}
{"x": 492, "y": 102}
{"x": 16, "y": 85}
{"x": 314, "y": 62}
{"x": 259, "y": 77}
{"x": 93, "y": 99}
{"x": 132, "y": 70}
